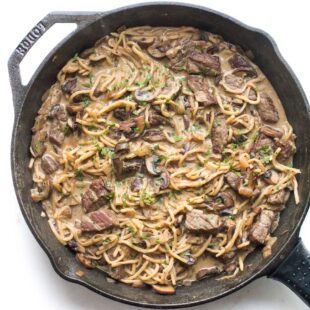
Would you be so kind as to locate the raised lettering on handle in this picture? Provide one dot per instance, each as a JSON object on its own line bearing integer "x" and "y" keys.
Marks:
{"x": 30, "y": 39}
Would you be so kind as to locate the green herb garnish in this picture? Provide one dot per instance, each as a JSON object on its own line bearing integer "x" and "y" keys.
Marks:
{"x": 79, "y": 175}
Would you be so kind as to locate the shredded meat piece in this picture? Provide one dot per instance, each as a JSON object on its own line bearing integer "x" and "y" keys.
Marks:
{"x": 262, "y": 226}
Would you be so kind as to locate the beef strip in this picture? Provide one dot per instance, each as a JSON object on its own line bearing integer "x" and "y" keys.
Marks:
{"x": 197, "y": 221}
{"x": 121, "y": 114}
{"x": 262, "y": 141}
{"x": 200, "y": 88}
{"x": 278, "y": 198}
{"x": 233, "y": 180}
{"x": 56, "y": 133}
{"x": 96, "y": 196}
{"x": 49, "y": 164}
{"x": 208, "y": 64}
{"x": 239, "y": 62}
{"x": 262, "y": 226}
{"x": 219, "y": 134}
{"x": 156, "y": 119}
{"x": 132, "y": 127}
{"x": 99, "y": 220}
{"x": 234, "y": 81}
{"x": 267, "y": 110}
{"x": 125, "y": 167}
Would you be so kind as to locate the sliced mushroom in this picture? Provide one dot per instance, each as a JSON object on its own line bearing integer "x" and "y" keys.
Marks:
{"x": 41, "y": 191}
{"x": 69, "y": 86}
{"x": 271, "y": 177}
{"x": 121, "y": 148}
{"x": 158, "y": 50}
{"x": 151, "y": 165}
{"x": 271, "y": 132}
{"x": 144, "y": 42}
{"x": 75, "y": 247}
{"x": 144, "y": 95}
{"x": 226, "y": 198}
{"x": 245, "y": 191}
{"x": 165, "y": 180}
{"x": 153, "y": 135}
{"x": 164, "y": 289}
{"x": 136, "y": 185}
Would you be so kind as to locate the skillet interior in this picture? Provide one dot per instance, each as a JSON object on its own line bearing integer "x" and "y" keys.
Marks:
{"x": 266, "y": 57}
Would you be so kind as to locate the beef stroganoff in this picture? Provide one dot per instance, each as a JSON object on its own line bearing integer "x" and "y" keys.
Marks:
{"x": 162, "y": 156}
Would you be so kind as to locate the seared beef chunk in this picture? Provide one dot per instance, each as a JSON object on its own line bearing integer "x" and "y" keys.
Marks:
{"x": 49, "y": 164}
{"x": 208, "y": 64}
{"x": 233, "y": 180}
{"x": 271, "y": 132}
{"x": 219, "y": 134}
{"x": 234, "y": 81}
{"x": 69, "y": 86}
{"x": 56, "y": 133}
{"x": 262, "y": 226}
{"x": 267, "y": 110}
{"x": 262, "y": 142}
{"x": 99, "y": 220}
{"x": 200, "y": 88}
{"x": 124, "y": 167}
{"x": 288, "y": 149}
{"x": 197, "y": 221}
{"x": 96, "y": 196}
{"x": 278, "y": 198}
{"x": 239, "y": 62}
{"x": 153, "y": 135}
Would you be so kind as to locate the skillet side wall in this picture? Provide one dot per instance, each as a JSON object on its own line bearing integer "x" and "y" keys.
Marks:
{"x": 162, "y": 15}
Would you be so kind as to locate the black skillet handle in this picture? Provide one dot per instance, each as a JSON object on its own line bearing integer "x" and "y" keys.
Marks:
{"x": 294, "y": 272}
{"x": 18, "y": 89}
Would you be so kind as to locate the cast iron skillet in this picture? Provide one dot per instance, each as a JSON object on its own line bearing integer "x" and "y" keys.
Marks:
{"x": 290, "y": 262}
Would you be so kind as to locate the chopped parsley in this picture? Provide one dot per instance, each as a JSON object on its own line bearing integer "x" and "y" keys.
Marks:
{"x": 67, "y": 130}
{"x": 79, "y": 175}
{"x": 176, "y": 138}
{"x": 85, "y": 102}
{"x": 136, "y": 129}
{"x": 195, "y": 128}
{"x": 104, "y": 151}
{"x": 145, "y": 236}
{"x": 266, "y": 154}
{"x": 148, "y": 198}
{"x": 110, "y": 196}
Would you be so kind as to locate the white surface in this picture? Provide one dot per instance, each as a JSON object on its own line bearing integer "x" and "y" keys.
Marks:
{"x": 27, "y": 278}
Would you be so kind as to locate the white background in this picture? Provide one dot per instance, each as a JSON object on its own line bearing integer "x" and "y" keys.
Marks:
{"x": 27, "y": 279}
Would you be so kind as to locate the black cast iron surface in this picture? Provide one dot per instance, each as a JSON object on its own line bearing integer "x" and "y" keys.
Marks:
{"x": 92, "y": 26}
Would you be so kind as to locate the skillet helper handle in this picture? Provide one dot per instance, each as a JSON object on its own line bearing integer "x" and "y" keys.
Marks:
{"x": 294, "y": 272}
{"x": 18, "y": 89}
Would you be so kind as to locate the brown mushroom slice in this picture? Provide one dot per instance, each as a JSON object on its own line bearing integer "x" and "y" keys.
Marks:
{"x": 271, "y": 177}
{"x": 121, "y": 148}
{"x": 144, "y": 95}
{"x": 171, "y": 89}
{"x": 142, "y": 41}
{"x": 153, "y": 135}
{"x": 245, "y": 191}
{"x": 41, "y": 191}
{"x": 158, "y": 50}
{"x": 271, "y": 132}
{"x": 164, "y": 289}
{"x": 151, "y": 165}
{"x": 165, "y": 178}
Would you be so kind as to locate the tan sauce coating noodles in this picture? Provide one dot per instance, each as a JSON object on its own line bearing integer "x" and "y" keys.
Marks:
{"x": 162, "y": 156}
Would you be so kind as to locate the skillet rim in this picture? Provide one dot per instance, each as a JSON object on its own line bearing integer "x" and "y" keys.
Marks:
{"x": 289, "y": 243}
